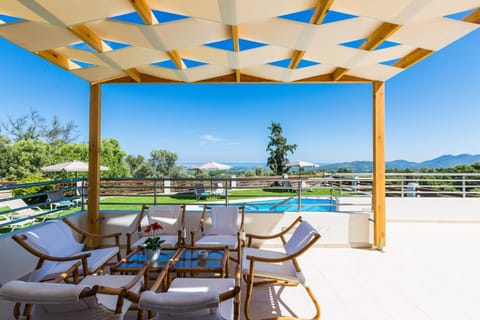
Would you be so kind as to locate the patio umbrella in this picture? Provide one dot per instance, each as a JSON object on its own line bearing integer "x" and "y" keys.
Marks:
{"x": 70, "y": 166}
{"x": 211, "y": 165}
{"x": 301, "y": 164}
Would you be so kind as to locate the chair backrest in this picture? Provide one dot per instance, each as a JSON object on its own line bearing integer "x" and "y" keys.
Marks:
{"x": 182, "y": 305}
{"x": 55, "y": 196}
{"x": 82, "y": 191}
{"x": 17, "y": 204}
{"x": 287, "y": 184}
{"x": 303, "y": 236}
{"x": 225, "y": 220}
{"x": 171, "y": 217}
{"x": 45, "y": 239}
{"x": 55, "y": 300}
{"x": 199, "y": 188}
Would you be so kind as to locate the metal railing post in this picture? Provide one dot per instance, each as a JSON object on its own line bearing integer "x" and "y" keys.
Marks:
{"x": 155, "y": 192}
{"x": 299, "y": 204}
{"x": 464, "y": 187}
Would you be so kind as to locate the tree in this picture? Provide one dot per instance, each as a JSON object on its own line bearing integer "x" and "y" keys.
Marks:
{"x": 163, "y": 162}
{"x": 27, "y": 157}
{"x": 278, "y": 149}
{"x": 60, "y": 134}
{"x": 139, "y": 166}
{"x": 26, "y": 127}
{"x": 33, "y": 126}
{"x": 112, "y": 156}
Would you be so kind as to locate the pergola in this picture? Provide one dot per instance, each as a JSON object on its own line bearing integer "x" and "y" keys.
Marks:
{"x": 237, "y": 41}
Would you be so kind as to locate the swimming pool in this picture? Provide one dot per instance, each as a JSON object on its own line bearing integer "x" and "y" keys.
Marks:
{"x": 291, "y": 205}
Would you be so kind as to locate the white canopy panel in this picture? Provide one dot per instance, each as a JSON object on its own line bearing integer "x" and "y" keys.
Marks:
{"x": 115, "y": 41}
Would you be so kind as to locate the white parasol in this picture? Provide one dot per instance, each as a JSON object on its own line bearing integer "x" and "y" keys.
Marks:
{"x": 211, "y": 165}
{"x": 70, "y": 166}
{"x": 301, "y": 164}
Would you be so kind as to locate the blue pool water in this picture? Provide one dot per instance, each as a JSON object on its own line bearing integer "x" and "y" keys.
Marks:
{"x": 291, "y": 205}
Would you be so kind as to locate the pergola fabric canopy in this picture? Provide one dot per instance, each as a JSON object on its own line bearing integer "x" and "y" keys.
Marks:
{"x": 236, "y": 40}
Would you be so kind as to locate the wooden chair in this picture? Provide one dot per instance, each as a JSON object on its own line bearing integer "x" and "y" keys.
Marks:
{"x": 172, "y": 219}
{"x": 57, "y": 249}
{"x": 193, "y": 298}
{"x": 281, "y": 268}
{"x": 95, "y": 297}
{"x": 223, "y": 228}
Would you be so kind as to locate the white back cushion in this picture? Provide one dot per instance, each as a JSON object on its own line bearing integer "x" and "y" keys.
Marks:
{"x": 225, "y": 220}
{"x": 167, "y": 216}
{"x": 54, "y": 238}
{"x": 300, "y": 237}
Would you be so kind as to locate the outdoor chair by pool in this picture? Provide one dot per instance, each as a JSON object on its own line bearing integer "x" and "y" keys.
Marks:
{"x": 223, "y": 227}
{"x": 200, "y": 192}
{"x": 219, "y": 190}
{"x": 54, "y": 244}
{"x": 25, "y": 214}
{"x": 170, "y": 217}
{"x": 194, "y": 298}
{"x": 57, "y": 200}
{"x": 262, "y": 266}
{"x": 95, "y": 297}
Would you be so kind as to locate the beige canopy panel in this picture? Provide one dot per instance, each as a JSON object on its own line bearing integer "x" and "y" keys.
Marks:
{"x": 115, "y": 41}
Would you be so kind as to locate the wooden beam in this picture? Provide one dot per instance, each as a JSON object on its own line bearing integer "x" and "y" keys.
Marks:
{"x": 339, "y": 73}
{"x": 177, "y": 59}
{"x": 94, "y": 148}
{"x": 317, "y": 18}
{"x": 320, "y": 11}
{"x": 379, "y": 36}
{"x": 145, "y": 12}
{"x": 378, "y": 188}
{"x": 236, "y": 48}
{"x": 413, "y": 57}
{"x": 473, "y": 17}
{"x": 90, "y": 37}
{"x": 58, "y": 59}
{"x": 134, "y": 74}
{"x": 296, "y": 59}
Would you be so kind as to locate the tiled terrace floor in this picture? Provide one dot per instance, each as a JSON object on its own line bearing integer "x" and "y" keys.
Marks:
{"x": 427, "y": 271}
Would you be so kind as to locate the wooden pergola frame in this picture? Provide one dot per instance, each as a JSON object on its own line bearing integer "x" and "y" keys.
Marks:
{"x": 378, "y": 141}
{"x": 44, "y": 21}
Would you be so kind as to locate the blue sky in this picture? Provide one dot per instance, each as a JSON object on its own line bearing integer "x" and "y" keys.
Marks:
{"x": 431, "y": 109}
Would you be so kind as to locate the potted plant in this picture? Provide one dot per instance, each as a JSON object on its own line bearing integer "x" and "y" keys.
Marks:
{"x": 153, "y": 243}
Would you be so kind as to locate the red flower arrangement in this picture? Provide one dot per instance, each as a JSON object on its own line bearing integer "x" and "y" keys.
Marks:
{"x": 151, "y": 231}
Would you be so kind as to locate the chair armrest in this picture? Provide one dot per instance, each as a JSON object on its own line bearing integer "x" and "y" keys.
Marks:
{"x": 193, "y": 234}
{"x": 138, "y": 276}
{"x": 251, "y": 236}
{"x": 72, "y": 271}
{"x": 86, "y": 234}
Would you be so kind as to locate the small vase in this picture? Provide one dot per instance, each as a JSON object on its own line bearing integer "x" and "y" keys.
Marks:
{"x": 152, "y": 255}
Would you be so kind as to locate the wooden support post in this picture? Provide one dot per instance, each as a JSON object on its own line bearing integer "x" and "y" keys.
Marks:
{"x": 93, "y": 224}
{"x": 378, "y": 187}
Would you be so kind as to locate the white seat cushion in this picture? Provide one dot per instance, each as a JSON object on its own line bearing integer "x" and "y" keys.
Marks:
{"x": 98, "y": 258}
{"x": 283, "y": 271}
{"x": 213, "y": 241}
{"x": 205, "y": 285}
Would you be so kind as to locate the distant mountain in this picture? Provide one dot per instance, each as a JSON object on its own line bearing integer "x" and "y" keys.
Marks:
{"x": 445, "y": 161}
